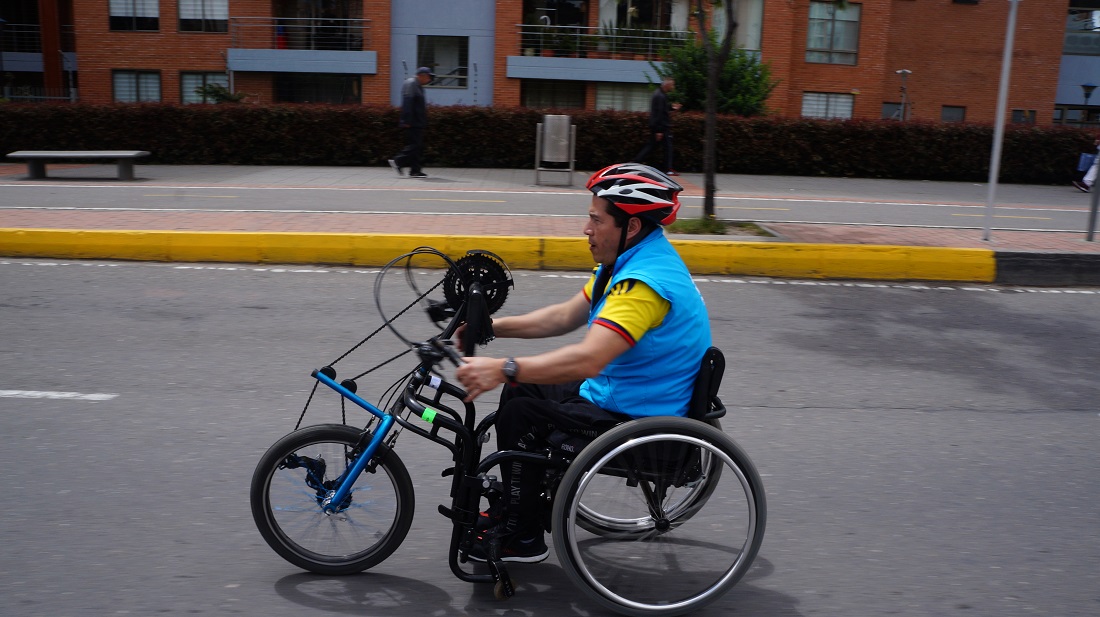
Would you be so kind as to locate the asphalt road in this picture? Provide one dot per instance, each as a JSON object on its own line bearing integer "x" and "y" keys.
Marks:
{"x": 926, "y": 450}
{"x": 867, "y": 202}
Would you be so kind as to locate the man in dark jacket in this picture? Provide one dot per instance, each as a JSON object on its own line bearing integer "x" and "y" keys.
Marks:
{"x": 660, "y": 125}
{"x": 414, "y": 117}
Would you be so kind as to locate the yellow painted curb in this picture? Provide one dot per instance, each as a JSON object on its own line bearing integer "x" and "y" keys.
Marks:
{"x": 776, "y": 259}
{"x": 855, "y": 261}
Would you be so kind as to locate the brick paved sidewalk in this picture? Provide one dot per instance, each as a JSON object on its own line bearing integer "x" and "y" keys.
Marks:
{"x": 489, "y": 225}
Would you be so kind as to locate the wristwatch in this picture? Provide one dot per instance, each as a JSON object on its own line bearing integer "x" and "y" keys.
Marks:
{"x": 510, "y": 370}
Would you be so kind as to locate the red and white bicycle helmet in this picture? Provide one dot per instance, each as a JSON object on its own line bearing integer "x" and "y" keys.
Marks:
{"x": 639, "y": 190}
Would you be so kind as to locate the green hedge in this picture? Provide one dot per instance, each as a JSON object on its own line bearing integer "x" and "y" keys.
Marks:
{"x": 505, "y": 138}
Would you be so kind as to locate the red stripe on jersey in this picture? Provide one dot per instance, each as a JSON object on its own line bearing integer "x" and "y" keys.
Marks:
{"x": 616, "y": 328}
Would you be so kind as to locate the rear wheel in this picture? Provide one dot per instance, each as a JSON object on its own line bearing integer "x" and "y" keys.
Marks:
{"x": 681, "y": 515}
{"x": 299, "y": 471}
{"x": 707, "y": 472}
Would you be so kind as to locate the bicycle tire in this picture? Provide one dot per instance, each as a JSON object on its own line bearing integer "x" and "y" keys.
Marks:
{"x": 670, "y": 565}
{"x": 293, "y": 476}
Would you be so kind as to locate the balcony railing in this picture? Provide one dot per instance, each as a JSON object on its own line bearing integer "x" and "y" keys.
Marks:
{"x": 614, "y": 43}
{"x": 1081, "y": 44}
{"x": 38, "y": 94}
{"x": 299, "y": 33}
{"x": 27, "y": 38}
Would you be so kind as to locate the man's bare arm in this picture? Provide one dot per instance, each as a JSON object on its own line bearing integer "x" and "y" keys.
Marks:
{"x": 553, "y": 320}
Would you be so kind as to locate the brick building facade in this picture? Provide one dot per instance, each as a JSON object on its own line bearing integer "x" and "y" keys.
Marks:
{"x": 949, "y": 50}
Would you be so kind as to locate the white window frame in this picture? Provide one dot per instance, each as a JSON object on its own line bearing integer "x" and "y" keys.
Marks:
{"x": 623, "y": 97}
{"x": 134, "y": 15}
{"x": 824, "y": 45}
{"x": 144, "y": 86}
{"x": 190, "y": 80}
{"x": 209, "y": 15}
{"x": 448, "y": 57}
{"x": 828, "y": 105}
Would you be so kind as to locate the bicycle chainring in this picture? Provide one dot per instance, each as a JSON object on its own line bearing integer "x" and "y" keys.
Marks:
{"x": 484, "y": 268}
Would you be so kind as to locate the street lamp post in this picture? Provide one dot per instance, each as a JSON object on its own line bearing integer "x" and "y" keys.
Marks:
{"x": 1086, "y": 89}
{"x": 905, "y": 73}
{"x": 999, "y": 117}
{"x": 3, "y": 79}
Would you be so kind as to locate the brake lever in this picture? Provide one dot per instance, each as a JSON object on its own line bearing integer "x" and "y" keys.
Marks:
{"x": 447, "y": 347}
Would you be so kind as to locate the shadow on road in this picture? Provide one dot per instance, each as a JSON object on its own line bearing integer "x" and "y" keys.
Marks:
{"x": 541, "y": 590}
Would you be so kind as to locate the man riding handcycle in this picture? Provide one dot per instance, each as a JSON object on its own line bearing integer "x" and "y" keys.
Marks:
{"x": 651, "y": 512}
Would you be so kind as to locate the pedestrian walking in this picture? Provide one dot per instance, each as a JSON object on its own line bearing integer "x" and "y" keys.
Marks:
{"x": 414, "y": 119}
{"x": 1085, "y": 184}
{"x": 660, "y": 125}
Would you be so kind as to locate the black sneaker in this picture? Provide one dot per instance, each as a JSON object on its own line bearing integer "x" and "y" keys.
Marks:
{"x": 418, "y": 174}
{"x": 395, "y": 168}
{"x": 513, "y": 549}
{"x": 488, "y": 519}
{"x": 1081, "y": 186}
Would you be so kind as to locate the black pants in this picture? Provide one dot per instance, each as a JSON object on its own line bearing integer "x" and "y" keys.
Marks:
{"x": 652, "y": 144}
{"x": 412, "y": 152}
{"x": 528, "y": 415}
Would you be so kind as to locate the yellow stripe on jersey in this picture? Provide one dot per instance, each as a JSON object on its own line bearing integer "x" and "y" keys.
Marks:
{"x": 632, "y": 308}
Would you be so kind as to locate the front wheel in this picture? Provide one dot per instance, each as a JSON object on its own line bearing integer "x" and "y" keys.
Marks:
{"x": 294, "y": 476}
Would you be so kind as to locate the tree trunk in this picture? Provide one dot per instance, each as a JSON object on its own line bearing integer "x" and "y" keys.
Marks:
{"x": 716, "y": 59}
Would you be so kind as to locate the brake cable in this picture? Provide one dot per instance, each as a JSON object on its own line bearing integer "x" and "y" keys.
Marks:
{"x": 386, "y": 323}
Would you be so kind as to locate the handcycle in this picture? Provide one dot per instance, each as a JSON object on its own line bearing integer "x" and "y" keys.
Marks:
{"x": 656, "y": 516}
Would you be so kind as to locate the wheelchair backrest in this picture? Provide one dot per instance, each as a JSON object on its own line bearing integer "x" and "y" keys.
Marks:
{"x": 705, "y": 403}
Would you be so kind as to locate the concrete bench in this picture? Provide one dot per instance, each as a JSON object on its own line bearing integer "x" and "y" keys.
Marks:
{"x": 36, "y": 159}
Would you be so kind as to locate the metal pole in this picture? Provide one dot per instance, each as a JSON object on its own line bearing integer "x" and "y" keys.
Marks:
{"x": 1094, "y": 199}
{"x": 3, "y": 80}
{"x": 904, "y": 93}
{"x": 999, "y": 121}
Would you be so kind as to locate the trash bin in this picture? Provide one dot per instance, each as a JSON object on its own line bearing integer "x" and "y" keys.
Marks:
{"x": 555, "y": 142}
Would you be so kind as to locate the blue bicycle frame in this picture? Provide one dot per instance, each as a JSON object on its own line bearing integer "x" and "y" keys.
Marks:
{"x": 386, "y": 421}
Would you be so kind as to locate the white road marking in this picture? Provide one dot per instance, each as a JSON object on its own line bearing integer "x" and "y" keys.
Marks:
{"x": 716, "y": 280}
{"x": 74, "y": 396}
{"x": 196, "y": 196}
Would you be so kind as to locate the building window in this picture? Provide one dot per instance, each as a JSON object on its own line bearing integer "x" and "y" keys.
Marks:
{"x": 1082, "y": 33}
{"x": 549, "y": 93}
{"x": 953, "y": 113}
{"x": 623, "y": 97}
{"x": 749, "y": 17}
{"x": 136, "y": 86}
{"x": 447, "y": 56}
{"x": 1023, "y": 116}
{"x": 135, "y": 15}
{"x": 336, "y": 89}
{"x": 891, "y": 111}
{"x": 827, "y": 105}
{"x": 191, "y": 85}
{"x": 559, "y": 12}
{"x": 204, "y": 15}
{"x": 833, "y": 37}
